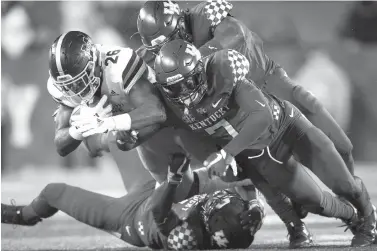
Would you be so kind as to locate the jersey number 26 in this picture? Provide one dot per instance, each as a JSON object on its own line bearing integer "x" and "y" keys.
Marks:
{"x": 110, "y": 57}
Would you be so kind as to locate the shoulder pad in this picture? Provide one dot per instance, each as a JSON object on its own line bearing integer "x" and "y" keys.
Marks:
{"x": 217, "y": 10}
{"x": 232, "y": 64}
{"x": 58, "y": 95}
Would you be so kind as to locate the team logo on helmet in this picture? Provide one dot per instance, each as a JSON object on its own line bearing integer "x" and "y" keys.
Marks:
{"x": 220, "y": 239}
{"x": 87, "y": 47}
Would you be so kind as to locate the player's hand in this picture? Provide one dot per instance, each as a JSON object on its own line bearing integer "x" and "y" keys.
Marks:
{"x": 219, "y": 162}
{"x": 96, "y": 125}
{"x": 126, "y": 140}
{"x": 86, "y": 112}
{"x": 253, "y": 218}
{"x": 179, "y": 164}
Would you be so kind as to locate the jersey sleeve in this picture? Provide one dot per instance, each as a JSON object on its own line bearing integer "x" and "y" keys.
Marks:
{"x": 204, "y": 18}
{"x": 229, "y": 66}
{"x": 133, "y": 68}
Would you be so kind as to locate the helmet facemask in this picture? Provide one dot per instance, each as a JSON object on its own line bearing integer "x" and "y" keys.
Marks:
{"x": 188, "y": 90}
{"x": 81, "y": 88}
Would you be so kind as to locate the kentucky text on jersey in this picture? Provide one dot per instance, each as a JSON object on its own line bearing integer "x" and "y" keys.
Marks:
{"x": 211, "y": 120}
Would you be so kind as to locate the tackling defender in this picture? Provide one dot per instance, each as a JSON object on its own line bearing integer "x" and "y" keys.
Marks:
{"x": 207, "y": 25}
{"x": 210, "y": 27}
{"x": 147, "y": 217}
{"x": 214, "y": 97}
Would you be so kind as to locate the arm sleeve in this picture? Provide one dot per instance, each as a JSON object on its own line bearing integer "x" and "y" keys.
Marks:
{"x": 251, "y": 100}
{"x": 161, "y": 207}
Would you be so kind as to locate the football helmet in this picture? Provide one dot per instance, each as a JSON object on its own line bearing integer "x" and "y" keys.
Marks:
{"x": 220, "y": 214}
{"x": 180, "y": 73}
{"x": 160, "y": 22}
{"x": 73, "y": 64}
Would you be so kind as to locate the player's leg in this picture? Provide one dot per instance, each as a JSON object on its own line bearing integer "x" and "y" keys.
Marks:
{"x": 292, "y": 180}
{"x": 280, "y": 85}
{"x": 99, "y": 211}
{"x": 316, "y": 151}
{"x": 299, "y": 236}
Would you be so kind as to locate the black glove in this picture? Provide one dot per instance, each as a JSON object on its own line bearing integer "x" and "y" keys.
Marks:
{"x": 253, "y": 218}
{"x": 179, "y": 164}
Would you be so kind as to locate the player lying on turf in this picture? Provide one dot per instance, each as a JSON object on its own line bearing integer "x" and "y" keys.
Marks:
{"x": 213, "y": 96}
{"x": 147, "y": 217}
{"x": 81, "y": 70}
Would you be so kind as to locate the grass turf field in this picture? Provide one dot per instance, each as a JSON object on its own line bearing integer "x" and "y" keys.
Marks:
{"x": 63, "y": 233}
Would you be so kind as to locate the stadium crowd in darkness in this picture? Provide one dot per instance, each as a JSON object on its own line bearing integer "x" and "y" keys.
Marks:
{"x": 28, "y": 29}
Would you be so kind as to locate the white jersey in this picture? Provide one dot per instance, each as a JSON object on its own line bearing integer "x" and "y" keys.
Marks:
{"x": 121, "y": 69}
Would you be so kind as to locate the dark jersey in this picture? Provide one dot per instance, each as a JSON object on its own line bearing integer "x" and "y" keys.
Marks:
{"x": 202, "y": 21}
{"x": 140, "y": 228}
{"x": 222, "y": 114}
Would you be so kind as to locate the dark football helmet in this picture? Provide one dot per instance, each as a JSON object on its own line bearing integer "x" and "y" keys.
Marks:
{"x": 160, "y": 22}
{"x": 73, "y": 66}
{"x": 220, "y": 215}
{"x": 180, "y": 72}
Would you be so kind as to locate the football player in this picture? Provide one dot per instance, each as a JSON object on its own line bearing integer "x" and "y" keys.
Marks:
{"x": 82, "y": 72}
{"x": 261, "y": 131}
{"x": 210, "y": 27}
{"x": 207, "y": 25}
{"x": 147, "y": 217}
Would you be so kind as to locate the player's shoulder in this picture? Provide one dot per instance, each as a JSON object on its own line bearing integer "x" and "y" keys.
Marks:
{"x": 146, "y": 55}
{"x": 230, "y": 64}
{"x": 211, "y": 11}
{"x": 121, "y": 65}
{"x": 57, "y": 95}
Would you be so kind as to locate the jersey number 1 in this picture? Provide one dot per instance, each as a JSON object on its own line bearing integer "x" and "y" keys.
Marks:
{"x": 226, "y": 125}
{"x": 110, "y": 57}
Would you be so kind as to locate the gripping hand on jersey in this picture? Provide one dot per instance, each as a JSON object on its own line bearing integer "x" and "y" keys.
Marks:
{"x": 179, "y": 164}
{"x": 95, "y": 119}
{"x": 218, "y": 163}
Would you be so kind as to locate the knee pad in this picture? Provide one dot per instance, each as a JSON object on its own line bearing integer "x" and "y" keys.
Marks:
{"x": 305, "y": 99}
{"x": 53, "y": 191}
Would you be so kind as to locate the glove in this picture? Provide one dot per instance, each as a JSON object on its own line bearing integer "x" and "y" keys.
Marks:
{"x": 95, "y": 125}
{"x": 93, "y": 120}
{"x": 253, "y": 218}
{"x": 126, "y": 140}
{"x": 179, "y": 164}
{"x": 219, "y": 162}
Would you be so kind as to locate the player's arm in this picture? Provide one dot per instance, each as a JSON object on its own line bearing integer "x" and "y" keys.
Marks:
{"x": 149, "y": 107}
{"x": 163, "y": 197}
{"x": 128, "y": 140}
{"x": 67, "y": 139}
{"x": 228, "y": 34}
{"x": 251, "y": 100}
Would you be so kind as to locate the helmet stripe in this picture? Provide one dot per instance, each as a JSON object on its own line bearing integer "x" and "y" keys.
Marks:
{"x": 58, "y": 52}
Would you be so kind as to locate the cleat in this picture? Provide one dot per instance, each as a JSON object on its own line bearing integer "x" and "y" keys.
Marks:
{"x": 365, "y": 230}
{"x": 299, "y": 236}
{"x": 11, "y": 214}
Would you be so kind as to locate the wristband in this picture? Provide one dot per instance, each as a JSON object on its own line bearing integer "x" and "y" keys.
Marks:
{"x": 122, "y": 122}
{"x": 74, "y": 133}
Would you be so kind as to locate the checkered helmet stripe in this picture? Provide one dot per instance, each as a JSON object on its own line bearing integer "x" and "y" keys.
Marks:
{"x": 239, "y": 64}
{"x": 182, "y": 238}
{"x": 217, "y": 10}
